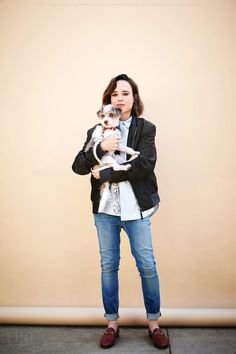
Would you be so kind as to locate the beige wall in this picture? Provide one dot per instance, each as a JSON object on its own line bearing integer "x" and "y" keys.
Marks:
{"x": 56, "y": 59}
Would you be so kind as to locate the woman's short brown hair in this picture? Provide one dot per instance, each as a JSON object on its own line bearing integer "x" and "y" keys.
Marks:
{"x": 138, "y": 106}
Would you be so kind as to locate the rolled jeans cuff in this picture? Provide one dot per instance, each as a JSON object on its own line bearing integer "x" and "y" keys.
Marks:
{"x": 153, "y": 316}
{"x": 111, "y": 316}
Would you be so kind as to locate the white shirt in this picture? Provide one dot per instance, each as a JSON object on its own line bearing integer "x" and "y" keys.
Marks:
{"x": 122, "y": 195}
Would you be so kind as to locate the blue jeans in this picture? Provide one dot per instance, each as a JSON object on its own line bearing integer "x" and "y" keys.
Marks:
{"x": 139, "y": 234}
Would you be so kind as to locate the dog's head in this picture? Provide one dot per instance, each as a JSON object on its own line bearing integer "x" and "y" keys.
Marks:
{"x": 109, "y": 116}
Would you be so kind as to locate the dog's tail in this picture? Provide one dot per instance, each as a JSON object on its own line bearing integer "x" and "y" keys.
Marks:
{"x": 95, "y": 153}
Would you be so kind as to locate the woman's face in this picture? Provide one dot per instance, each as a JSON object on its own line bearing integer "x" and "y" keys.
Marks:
{"x": 122, "y": 97}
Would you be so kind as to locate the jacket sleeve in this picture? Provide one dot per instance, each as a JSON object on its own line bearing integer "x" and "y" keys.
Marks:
{"x": 85, "y": 160}
{"x": 142, "y": 165}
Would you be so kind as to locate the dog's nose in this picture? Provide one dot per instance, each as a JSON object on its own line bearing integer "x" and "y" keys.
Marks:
{"x": 105, "y": 121}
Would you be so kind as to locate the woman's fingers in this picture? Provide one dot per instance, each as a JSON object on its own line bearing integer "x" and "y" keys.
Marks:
{"x": 110, "y": 143}
{"x": 96, "y": 174}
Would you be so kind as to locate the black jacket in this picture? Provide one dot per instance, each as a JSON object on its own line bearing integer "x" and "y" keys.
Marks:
{"x": 141, "y": 175}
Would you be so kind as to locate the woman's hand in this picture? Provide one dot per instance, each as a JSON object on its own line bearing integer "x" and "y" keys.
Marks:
{"x": 110, "y": 143}
{"x": 96, "y": 174}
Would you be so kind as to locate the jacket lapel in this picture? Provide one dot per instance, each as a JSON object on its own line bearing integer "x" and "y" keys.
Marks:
{"x": 132, "y": 132}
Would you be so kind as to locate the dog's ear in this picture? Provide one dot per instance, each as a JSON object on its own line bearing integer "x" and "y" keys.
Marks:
{"x": 118, "y": 111}
{"x": 99, "y": 113}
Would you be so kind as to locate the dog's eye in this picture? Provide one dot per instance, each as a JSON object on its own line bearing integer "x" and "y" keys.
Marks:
{"x": 111, "y": 115}
{"x": 102, "y": 115}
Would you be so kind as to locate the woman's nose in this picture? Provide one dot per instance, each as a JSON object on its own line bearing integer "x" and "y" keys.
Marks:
{"x": 120, "y": 98}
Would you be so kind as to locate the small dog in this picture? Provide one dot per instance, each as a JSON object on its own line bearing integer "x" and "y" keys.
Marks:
{"x": 110, "y": 117}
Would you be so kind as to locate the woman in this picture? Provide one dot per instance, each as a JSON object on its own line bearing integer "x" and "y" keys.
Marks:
{"x": 134, "y": 199}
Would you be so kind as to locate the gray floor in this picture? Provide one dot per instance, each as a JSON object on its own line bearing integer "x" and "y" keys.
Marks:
{"x": 85, "y": 340}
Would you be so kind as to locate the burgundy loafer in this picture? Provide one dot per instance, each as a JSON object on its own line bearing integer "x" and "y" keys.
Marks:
{"x": 109, "y": 337}
{"x": 159, "y": 339}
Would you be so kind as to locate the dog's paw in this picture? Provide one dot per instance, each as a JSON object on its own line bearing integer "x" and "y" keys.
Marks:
{"x": 133, "y": 157}
{"x": 128, "y": 166}
{"x": 132, "y": 152}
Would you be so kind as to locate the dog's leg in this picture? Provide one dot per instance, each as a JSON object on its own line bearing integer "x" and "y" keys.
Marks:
{"x": 101, "y": 168}
{"x": 107, "y": 161}
{"x": 122, "y": 167}
{"x": 127, "y": 150}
